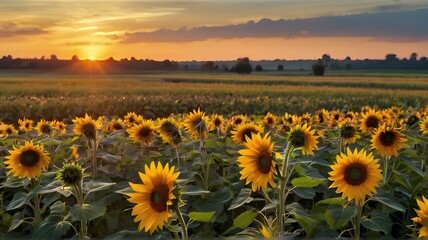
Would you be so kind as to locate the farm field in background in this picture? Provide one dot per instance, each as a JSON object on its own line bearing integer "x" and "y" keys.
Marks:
{"x": 265, "y": 155}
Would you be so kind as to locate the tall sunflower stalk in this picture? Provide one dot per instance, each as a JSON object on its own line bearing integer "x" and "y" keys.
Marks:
{"x": 281, "y": 191}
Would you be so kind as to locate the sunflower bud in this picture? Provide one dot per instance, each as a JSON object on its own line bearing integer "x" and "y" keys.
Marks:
{"x": 71, "y": 174}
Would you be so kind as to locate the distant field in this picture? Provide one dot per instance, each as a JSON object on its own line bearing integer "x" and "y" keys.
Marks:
{"x": 54, "y": 95}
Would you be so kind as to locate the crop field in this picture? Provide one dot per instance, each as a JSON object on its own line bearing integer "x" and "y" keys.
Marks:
{"x": 198, "y": 155}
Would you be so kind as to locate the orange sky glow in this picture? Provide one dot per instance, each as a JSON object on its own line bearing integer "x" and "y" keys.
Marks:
{"x": 206, "y": 30}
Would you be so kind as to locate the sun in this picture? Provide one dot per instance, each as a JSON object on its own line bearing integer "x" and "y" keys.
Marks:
{"x": 92, "y": 58}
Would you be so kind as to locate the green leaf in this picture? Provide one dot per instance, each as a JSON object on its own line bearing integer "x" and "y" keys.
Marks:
{"x": 223, "y": 195}
{"x": 306, "y": 182}
{"x": 306, "y": 220}
{"x": 243, "y": 220}
{"x": 194, "y": 190}
{"x": 17, "y": 220}
{"x": 87, "y": 212}
{"x": 94, "y": 186}
{"x": 306, "y": 193}
{"x": 242, "y": 198}
{"x": 337, "y": 216}
{"x": 389, "y": 200}
{"x": 377, "y": 221}
{"x": 331, "y": 201}
{"x": 51, "y": 229}
{"x": 18, "y": 200}
{"x": 201, "y": 216}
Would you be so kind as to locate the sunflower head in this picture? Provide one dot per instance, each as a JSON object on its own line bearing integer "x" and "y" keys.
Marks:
{"x": 270, "y": 120}
{"x": 348, "y": 131}
{"x": 87, "y": 127}
{"x": 27, "y": 161}
{"x": 244, "y": 131}
{"x": 236, "y": 120}
{"x": 132, "y": 118}
{"x": 370, "y": 121}
{"x": 355, "y": 175}
{"x": 154, "y": 197}
{"x": 422, "y": 217}
{"x": 196, "y": 124}
{"x": 388, "y": 140}
{"x": 44, "y": 127}
{"x": 25, "y": 124}
{"x": 335, "y": 118}
{"x": 321, "y": 116}
{"x": 170, "y": 132}
{"x": 424, "y": 126}
{"x": 59, "y": 126}
{"x": 303, "y": 137}
{"x": 289, "y": 119}
{"x": 257, "y": 162}
{"x": 116, "y": 124}
{"x": 217, "y": 122}
{"x": 8, "y": 129}
{"x": 266, "y": 232}
{"x": 143, "y": 132}
{"x": 71, "y": 174}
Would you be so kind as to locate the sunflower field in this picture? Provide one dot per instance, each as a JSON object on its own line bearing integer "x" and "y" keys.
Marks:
{"x": 331, "y": 174}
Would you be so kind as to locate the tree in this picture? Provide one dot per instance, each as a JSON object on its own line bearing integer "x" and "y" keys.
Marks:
{"x": 259, "y": 68}
{"x": 208, "y": 65}
{"x": 413, "y": 57}
{"x": 318, "y": 69}
{"x": 74, "y": 58}
{"x": 280, "y": 67}
{"x": 243, "y": 66}
{"x": 54, "y": 57}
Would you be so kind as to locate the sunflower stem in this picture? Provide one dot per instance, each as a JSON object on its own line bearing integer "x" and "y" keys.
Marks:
{"x": 93, "y": 147}
{"x": 183, "y": 224}
{"x": 81, "y": 201}
{"x": 385, "y": 169}
{"x": 357, "y": 221}
{"x": 36, "y": 207}
{"x": 283, "y": 184}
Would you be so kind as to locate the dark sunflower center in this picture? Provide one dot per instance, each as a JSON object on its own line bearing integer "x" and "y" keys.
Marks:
{"x": 298, "y": 139}
{"x": 117, "y": 126}
{"x": 247, "y": 132}
{"x": 27, "y": 125}
{"x": 426, "y": 124}
{"x": 29, "y": 158}
{"x": 285, "y": 128}
{"x": 167, "y": 127}
{"x": 347, "y": 131}
{"x": 320, "y": 118}
{"x": 372, "y": 122}
{"x": 89, "y": 130}
{"x": 131, "y": 120}
{"x": 46, "y": 129}
{"x": 238, "y": 121}
{"x": 217, "y": 122}
{"x": 270, "y": 121}
{"x": 159, "y": 197}
{"x": 355, "y": 174}
{"x": 289, "y": 120}
{"x": 350, "y": 116}
{"x": 72, "y": 176}
{"x": 387, "y": 138}
{"x": 264, "y": 163}
{"x": 336, "y": 116}
{"x": 9, "y": 131}
{"x": 144, "y": 133}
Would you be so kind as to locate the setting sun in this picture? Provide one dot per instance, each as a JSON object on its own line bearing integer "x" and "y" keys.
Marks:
{"x": 92, "y": 58}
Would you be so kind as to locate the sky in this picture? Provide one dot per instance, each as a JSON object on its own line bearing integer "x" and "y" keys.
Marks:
{"x": 213, "y": 30}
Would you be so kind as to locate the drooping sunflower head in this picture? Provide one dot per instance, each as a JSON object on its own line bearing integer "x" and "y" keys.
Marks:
{"x": 44, "y": 127}
{"x": 87, "y": 127}
{"x": 370, "y": 121}
{"x": 270, "y": 120}
{"x": 348, "y": 131}
{"x": 217, "y": 122}
{"x": 115, "y": 125}
{"x": 257, "y": 162}
{"x": 154, "y": 197}
{"x": 196, "y": 124}
{"x": 303, "y": 137}
{"x": 424, "y": 126}
{"x": 170, "y": 132}
{"x": 355, "y": 175}
{"x": 27, "y": 161}
{"x": 422, "y": 217}
{"x": 25, "y": 124}
{"x": 132, "y": 118}
{"x": 71, "y": 174}
{"x": 143, "y": 132}
{"x": 244, "y": 131}
{"x": 388, "y": 140}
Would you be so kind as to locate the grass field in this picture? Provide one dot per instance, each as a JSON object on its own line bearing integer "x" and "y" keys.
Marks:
{"x": 38, "y": 95}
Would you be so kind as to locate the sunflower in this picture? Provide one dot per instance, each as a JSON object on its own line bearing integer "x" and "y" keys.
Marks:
{"x": 266, "y": 232}
{"x": 304, "y": 119}
{"x": 8, "y": 129}
{"x": 27, "y": 161}
{"x": 289, "y": 119}
{"x": 348, "y": 131}
{"x": 355, "y": 175}
{"x": 335, "y": 118}
{"x": 351, "y": 115}
{"x": 321, "y": 116}
{"x": 257, "y": 162}
{"x": 59, "y": 126}
{"x": 424, "y": 126}
{"x": 422, "y": 217}
{"x": 196, "y": 124}
{"x": 371, "y": 120}
{"x": 71, "y": 174}
{"x": 245, "y": 130}
{"x": 25, "y": 124}
{"x": 116, "y": 124}
{"x": 132, "y": 118}
{"x": 236, "y": 120}
{"x": 270, "y": 120}
{"x": 153, "y": 197}
{"x": 44, "y": 127}
{"x": 217, "y": 122}
{"x": 170, "y": 132}
{"x": 87, "y": 127}
{"x": 302, "y": 136}
{"x": 388, "y": 140}
{"x": 143, "y": 132}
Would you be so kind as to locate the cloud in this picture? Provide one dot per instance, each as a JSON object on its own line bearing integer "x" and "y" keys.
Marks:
{"x": 87, "y": 43}
{"x": 394, "y": 26}
{"x": 8, "y": 29}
